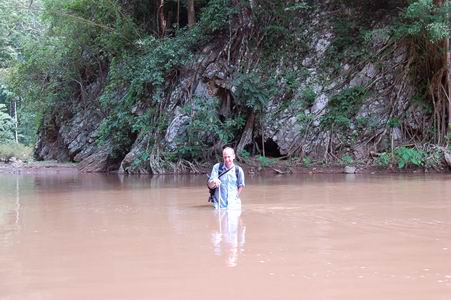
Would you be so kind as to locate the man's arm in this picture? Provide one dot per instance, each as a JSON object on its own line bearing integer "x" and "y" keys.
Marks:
{"x": 240, "y": 179}
{"x": 214, "y": 181}
{"x": 240, "y": 189}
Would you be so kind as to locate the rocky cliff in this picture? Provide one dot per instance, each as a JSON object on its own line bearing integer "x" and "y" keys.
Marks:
{"x": 331, "y": 98}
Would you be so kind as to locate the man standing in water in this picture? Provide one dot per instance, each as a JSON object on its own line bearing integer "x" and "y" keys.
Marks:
{"x": 229, "y": 185}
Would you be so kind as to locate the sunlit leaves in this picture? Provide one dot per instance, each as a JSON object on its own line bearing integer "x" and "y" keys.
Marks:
{"x": 424, "y": 18}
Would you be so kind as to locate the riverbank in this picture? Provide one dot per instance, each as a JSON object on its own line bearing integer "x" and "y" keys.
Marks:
{"x": 250, "y": 167}
{"x": 37, "y": 167}
{"x": 334, "y": 168}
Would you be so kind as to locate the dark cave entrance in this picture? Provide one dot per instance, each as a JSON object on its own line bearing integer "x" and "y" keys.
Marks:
{"x": 270, "y": 149}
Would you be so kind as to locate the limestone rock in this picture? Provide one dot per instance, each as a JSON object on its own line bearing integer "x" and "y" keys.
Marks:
{"x": 448, "y": 158}
{"x": 132, "y": 162}
{"x": 349, "y": 170}
{"x": 175, "y": 129}
{"x": 99, "y": 161}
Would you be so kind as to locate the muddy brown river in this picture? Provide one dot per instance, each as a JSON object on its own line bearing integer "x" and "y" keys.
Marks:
{"x": 70, "y": 236}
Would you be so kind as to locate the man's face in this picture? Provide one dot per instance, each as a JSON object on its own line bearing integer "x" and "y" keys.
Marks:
{"x": 228, "y": 157}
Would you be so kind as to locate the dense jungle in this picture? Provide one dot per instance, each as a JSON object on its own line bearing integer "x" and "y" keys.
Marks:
{"x": 161, "y": 86}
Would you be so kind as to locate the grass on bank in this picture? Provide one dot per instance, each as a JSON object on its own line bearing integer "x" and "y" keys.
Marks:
{"x": 19, "y": 151}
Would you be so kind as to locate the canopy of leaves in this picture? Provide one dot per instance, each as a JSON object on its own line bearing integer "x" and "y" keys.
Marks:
{"x": 19, "y": 22}
{"x": 423, "y": 18}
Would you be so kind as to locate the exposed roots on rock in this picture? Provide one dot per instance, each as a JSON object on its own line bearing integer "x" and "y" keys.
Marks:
{"x": 435, "y": 69}
{"x": 156, "y": 163}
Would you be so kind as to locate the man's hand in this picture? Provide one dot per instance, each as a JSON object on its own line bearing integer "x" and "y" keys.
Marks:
{"x": 214, "y": 183}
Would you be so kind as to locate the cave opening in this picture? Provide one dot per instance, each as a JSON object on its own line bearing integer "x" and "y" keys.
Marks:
{"x": 271, "y": 149}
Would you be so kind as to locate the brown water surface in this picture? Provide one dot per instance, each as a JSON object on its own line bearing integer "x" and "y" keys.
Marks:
{"x": 300, "y": 237}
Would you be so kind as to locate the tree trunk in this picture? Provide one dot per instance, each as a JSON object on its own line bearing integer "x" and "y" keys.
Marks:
{"x": 178, "y": 13}
{"x": 15, "y": 121}
{"x": 161, "y": 19}
{"x": 191, "y": 14}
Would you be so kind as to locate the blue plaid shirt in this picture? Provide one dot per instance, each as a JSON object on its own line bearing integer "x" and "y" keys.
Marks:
{"x": 229, "y": 186}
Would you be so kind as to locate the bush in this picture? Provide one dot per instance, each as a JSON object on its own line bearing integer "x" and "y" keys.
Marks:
{"x": 423, "y": 18}
{"x": 265, "y": 161}
{"x": 409, "y": 156}
{"x": 343, "y": 107}
{"x": 204, "y": 130}
{"x": 244, "y": 154}
{"x": 18, "y": 151}
{"x": 384, "y": 159}
{"x": 307, "y": 161}
{"x": 346, "y": 160}
{"x": 308, "y": 96}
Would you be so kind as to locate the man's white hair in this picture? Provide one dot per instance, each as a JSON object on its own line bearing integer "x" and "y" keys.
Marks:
{"x": 228, "y": 149}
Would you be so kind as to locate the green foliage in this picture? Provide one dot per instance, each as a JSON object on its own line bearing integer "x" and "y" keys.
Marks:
{"x": 85, "y": 40}
{"x": 304, "y": 120}
{"x": 409, "y": 156}
{"x": 381, "y": 34}
{"x": 18, "y": 24}
{"x": 307, "y": 161}
{"x": 83, "y": 36}
{"x": 265, "y": 161}
{"x": 346, "y": 160}
{"x": 345, "y": 31}
{"x": 19, "y": 151}
{"x": 275, "y": 21}
{"x": 384, "y": 159}
{"x": 291, "y": 80}
{"x": 393, "y": 123}
{"x": 342, "y": 107}
{"x": 90, "y": 26}
{"x": 31, "y": 78}
{"x": 424, "y": 19}
{"x": 215, "y": 16}
{"x": 139, "y": 78}
{"x": 244, "y": 154}
{"x": 362, "y": 122}
{"x": 80, "y": 39}
{"x": 353, "y": 26}
{"x": 287, "y": 90}
{"x": 281, "y": 32}
{"x": 27, "y": 125}
{"x": 139, "y": 161}
{"x": 252, "y": 91}
{"x": 204, "y": 129}
{"x": 308, "y": 97}
{"x": 297, "y": 6}
{"x": 348, "y": 43}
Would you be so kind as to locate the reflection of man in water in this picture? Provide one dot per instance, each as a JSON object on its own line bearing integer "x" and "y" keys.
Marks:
{"x": 230, "y": 185}
{"x": 230, "y": 235}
